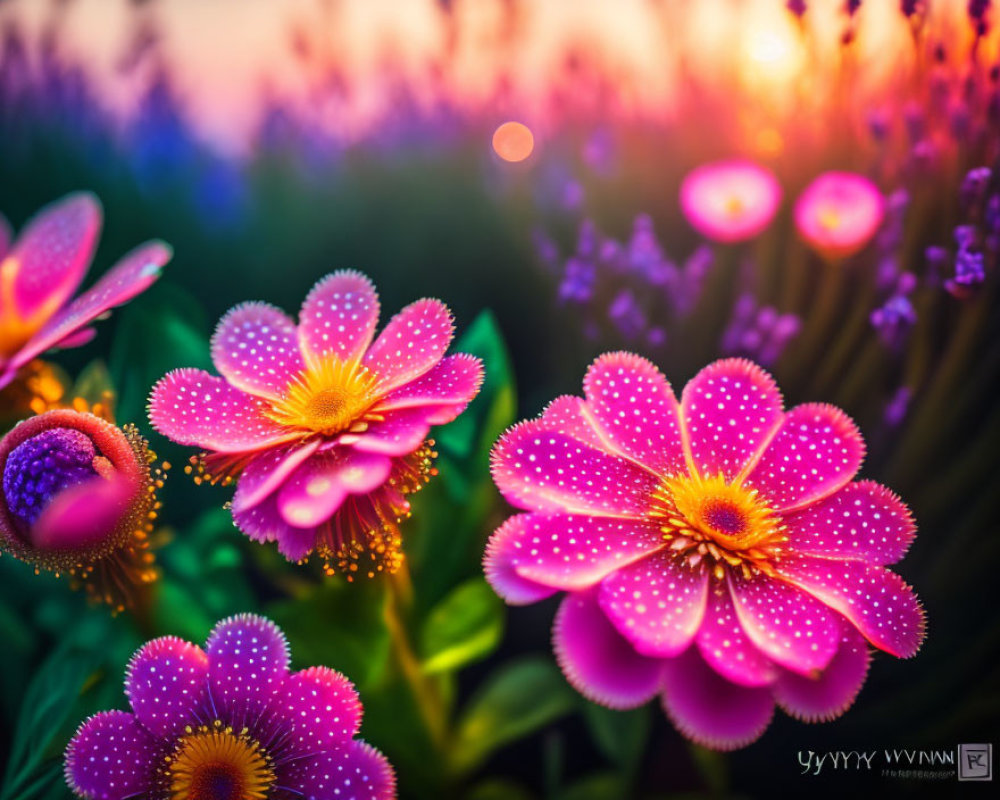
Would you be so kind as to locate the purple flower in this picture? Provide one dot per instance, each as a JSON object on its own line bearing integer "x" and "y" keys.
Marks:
{"x": 229, "y": 722}
{"x": 894, "y": 319}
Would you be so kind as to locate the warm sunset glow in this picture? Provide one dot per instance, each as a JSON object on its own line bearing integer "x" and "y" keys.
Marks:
{"x": 513, "y": 141}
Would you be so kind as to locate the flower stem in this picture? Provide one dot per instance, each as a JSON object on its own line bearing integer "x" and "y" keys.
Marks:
{"x": 426, "y": 693}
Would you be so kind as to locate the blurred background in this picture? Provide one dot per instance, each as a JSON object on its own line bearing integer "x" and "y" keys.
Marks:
{"x": 272, "y": 143}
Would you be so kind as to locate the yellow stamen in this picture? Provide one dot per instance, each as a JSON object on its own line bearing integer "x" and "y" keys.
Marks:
{"x": 706, "y": 516}
{"x": 328, "y": 397}
{"x": 218, "y": 762}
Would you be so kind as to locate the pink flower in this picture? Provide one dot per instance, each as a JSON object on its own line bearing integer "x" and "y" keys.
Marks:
{"x": 79, "y": 497}
{"x": 326, "y": 429}
{"x": 45, "y": 266}
{"x": 716, "y": 551}
{"x": 730, "y": 201}
{"x": 838, "y": 213}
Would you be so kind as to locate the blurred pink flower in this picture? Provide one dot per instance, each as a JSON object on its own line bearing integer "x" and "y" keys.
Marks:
{"x": 730, "y": 201}
{"x": 838, "y": 213}
{"x": 79, "y": 496}
{"x": 325, "y": 429}
{"x": 715, "y": 550}
{"x": 45, "y": 266}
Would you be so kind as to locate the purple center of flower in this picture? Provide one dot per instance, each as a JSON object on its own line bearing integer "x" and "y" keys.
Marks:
{"x": 725, "y": 518}
{"x": 42, "y": 467}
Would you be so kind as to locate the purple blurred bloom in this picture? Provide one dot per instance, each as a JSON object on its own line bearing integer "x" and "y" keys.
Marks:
{"x": 759, "y": 333}
{"x": 229, "y": 721}
{"x": 894, "y": 319}
{"x": 898, "y": 405}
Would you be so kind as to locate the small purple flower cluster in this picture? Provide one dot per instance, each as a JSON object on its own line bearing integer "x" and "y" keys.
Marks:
{"x": 977, "y": 238}
{"x": 758, "y": 332}
{"x": 627, "y": 289}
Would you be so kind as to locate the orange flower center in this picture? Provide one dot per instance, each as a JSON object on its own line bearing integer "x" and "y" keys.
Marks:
{"x": 218, "y": 764}
{"x": 724, "y": 521}
{"x": 328, "y": 397}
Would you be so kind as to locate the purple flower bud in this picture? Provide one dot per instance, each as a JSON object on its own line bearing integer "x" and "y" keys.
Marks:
{"x": 898, "y": 405}
{"x": 974, "y": 186}
{"x": 797, "y": 7}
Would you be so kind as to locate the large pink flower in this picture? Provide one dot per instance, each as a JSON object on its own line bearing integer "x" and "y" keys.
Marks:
{"x": 325, "y": 429}
{"x": 715, "y": 550}
{"x": 41, "y": 271}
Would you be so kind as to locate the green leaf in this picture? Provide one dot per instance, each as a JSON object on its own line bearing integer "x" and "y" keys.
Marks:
{"x": 620, "y": 735}
{"x": 341, "y": 625}
{"x": 468, "y": 440}
{"x": 48, "y": 705}
{"x": 205, "y": 564}
{"x": 467, "y": 625}
{"x": 516, "y": 700}
{"x": 157, "y": 332}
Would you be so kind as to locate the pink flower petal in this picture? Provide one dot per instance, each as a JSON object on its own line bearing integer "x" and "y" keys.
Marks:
{"x": 320, "y": 708}
{"x": 597, "y": 661}
{"x": 710, "y": 710}
{"x": 256, "y": 348}
{"x": 570, "y": 552}
{"x": 355, "y": 771}
{"x": 569, "y": 414}
{"x": 830, "y": 694}
{"x": 314, "y": 492}
{"x": 167, "y": 684}
{"x": 248, "y": 658}
{"x": 787, "y": 624}
{"x": 447, "y": 387}
{"x": 191, "y": 407}
{"x": 338, "y": 317}
{"x": 730, "y": 409}
{"x": 636, "y": 409}
{"x": 260, "y": 522}
{"x": 538, "y": 468}
{"x": 399, "y": 434}
{"x": 84, "y": 515}
{"x": 265, "y": 474}
{"x": 111, "y": 757}
{"x": 499, "y": 568}
{"x": 726, "y": 647}
{"x": 878, "y": 602}
{"x": 863, "y": 520}
{"x": 129, "y": 277}
{"x": 816, "y": 451}
{"x": 76, "y": 339}
{"x": 295, "y": 544}
{"x": 51, "y": 256}
{"x": 413, "y": 342}
{"x": 657, "y": 603}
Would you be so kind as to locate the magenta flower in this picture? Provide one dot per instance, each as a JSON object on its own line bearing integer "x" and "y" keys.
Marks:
{"x": 79, "y": 496}
{"x": 229, "y": 722}
{"x": 326, "y": 429}
{"x": 45, "y": 266}
{"x": 730, "y": 201}
{"x": 838, "y": 213}
{"x": 715, "y": 551}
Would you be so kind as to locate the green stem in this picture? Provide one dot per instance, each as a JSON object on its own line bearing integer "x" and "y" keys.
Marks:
{"x": 426, "y": 693}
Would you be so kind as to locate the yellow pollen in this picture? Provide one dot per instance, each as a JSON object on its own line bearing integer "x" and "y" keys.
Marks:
{"x": 328, "y": 397}
{"x": 735, "y": 206}
{"x": 726, "y": 521}
{"x": 218, "y": 763}
{"x": 829, "y": 219}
